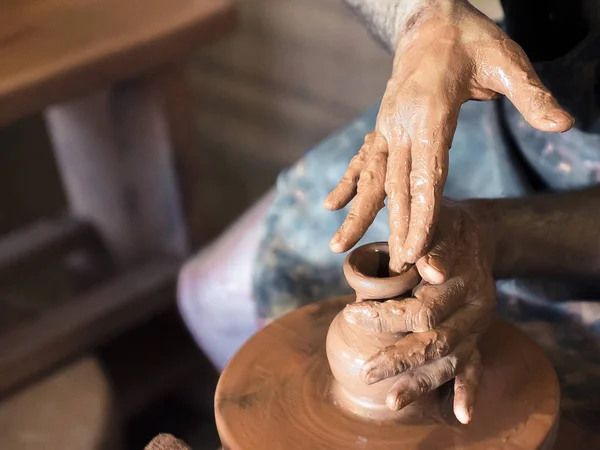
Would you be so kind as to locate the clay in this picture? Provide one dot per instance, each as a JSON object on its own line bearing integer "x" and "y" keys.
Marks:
{"x": 367, "y": 272}
{"x": 450, "y": 53}
{"x": 286, "y": 388}
{"x": 350, "y": 345}
{"x": 166, "y": 442}
{"x": 276, "y": 393}
{"x": 446, "y": 319}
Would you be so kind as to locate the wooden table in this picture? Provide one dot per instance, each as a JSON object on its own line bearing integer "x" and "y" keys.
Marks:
{"x": 108, "y": 77}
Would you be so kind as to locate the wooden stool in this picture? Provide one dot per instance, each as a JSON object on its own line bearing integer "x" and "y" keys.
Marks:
{"x": 71, "y": 409}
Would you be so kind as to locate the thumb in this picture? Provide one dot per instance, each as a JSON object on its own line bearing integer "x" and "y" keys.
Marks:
{"x": 436, "y": 266}
{"x": 510, "y": 73}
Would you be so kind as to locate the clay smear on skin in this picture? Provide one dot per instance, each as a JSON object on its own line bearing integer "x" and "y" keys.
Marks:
{"x": 450, "y": 53}
{"x": 350, "y": 345}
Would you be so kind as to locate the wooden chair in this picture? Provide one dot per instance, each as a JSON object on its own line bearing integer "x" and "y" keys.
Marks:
{"x": 108, "y": 77}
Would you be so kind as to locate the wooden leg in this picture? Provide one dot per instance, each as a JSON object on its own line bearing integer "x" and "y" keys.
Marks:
{"x": 116, "y": 154}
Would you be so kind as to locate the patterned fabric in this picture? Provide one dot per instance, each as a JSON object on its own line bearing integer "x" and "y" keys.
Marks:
{"x": 495, "y": 153}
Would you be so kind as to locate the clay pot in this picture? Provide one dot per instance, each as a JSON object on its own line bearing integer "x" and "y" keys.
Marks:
{"x": 366, "y": 271}
{"x": 349, "y": 346}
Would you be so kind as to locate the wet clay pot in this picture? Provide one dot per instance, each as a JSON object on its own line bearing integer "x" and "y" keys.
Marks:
{"x": 279, "y": 390}
{"x": 349, "y": 345}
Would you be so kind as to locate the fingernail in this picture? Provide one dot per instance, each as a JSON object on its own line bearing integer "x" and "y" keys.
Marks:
{"x": 432, "y": 262}
{"x": 408, "y": 255}
{"x": 329, "y": 202}
{"x": 462, "y": 415}
{"x": 557, "y": 119}
{"x": 396, "y": 402}
{"x": 392, "y": 402}
{"x": 365, "y": 370}
{"x": 374, "y": 376}
{"x": 398, "y": 266}
{"x": 335, "y": 244}
{"x": 433, "y": 275}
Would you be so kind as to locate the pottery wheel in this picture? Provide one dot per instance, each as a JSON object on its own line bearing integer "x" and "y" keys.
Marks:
{"x": 275, "y": 394}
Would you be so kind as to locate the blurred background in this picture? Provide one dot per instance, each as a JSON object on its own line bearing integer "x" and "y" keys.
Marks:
{"x": 262, "y": 91}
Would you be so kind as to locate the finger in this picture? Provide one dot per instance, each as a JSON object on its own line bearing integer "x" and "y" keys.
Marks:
{"x": 368, "y": 201}
{"x": 417, "y": 349}
{"x": 397, "y": 188}
{"x": 436, "y": 266}
{"x": 510, "y": 72}
{"x": 416, "y": 383}
{"x": 433, "y": 305}
{"x": 427, "y": 179}
{"x": 345, "y": 190}
{"x": 465, "y": 388}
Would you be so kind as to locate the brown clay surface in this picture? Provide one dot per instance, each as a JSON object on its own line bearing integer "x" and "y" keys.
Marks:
{"x": 275, "y": 394}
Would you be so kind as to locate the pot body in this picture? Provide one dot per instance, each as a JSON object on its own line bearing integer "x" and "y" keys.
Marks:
{"x": 350, "y": 345}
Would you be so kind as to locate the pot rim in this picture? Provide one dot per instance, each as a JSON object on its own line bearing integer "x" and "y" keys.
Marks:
{"x": 371, "y": 287}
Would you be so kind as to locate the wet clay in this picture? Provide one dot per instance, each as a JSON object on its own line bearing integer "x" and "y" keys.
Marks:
{"x": 276, "y": 393}
{"x": 367, "y": 272}
{"x": 446, "y": 53}
{"x": 349, "y": 345}
{"x": 279, "y": 390}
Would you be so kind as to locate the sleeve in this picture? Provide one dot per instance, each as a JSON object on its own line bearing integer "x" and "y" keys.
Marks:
{"x": 386, "y": 20}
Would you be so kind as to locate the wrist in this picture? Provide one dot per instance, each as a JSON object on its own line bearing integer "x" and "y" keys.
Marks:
{"x": 434, "y": 12}
{"x": 489, "y": 220}
{"x": 386, "y": 19}
{"x": 429, "y": 24}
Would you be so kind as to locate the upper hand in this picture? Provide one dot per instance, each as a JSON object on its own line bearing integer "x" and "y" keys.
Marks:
{"x": 446, "y": 315}
{"x": 451, "y": 54}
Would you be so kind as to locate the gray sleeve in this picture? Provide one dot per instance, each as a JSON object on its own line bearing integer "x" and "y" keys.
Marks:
{"x": 386, "y": 20}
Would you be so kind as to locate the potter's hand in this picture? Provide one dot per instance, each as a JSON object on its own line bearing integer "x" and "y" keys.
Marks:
{"x": 447, "y": 314}
{"x": 447, "y": 53}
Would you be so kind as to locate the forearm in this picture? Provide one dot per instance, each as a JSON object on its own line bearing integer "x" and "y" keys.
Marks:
{"x": 547, "y": 235}
{"x": 389, "y": 20}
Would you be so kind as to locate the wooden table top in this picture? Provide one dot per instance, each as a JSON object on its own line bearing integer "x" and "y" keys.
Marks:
{"x": 53, "y": 50}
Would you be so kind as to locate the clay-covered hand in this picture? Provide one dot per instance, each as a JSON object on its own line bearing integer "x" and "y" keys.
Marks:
{"x": 447, "y": 314}
{"x": 447, "y": 53}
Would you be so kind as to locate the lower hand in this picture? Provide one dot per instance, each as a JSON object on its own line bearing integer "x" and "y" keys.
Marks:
{"x": 447, "y": 315}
